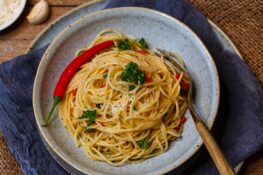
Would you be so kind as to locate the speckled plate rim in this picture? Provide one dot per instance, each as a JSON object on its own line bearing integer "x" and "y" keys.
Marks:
{"x": 92, "y": 2}
{"x": 214, "y": 108}
{"x": 39, "y": 38}
{"x": 18, "y": 14}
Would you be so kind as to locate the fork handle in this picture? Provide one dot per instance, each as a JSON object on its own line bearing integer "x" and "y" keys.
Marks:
{"x": 221, "y": 163}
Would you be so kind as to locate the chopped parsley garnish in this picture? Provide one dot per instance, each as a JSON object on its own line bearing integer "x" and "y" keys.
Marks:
{"x": 144, "y": 143}
{"x": 88, "y": 114}
{"x": 91, "y": 114}
{"x": 142, "y": 43}
{"x": 105, "y": 75}
{"x": 131, "y": 87}
{"x": 140, "y": 78}
{"x": 131, "y": 73}
{"x": 124, "y": 44}
{"x": 92, "y": 119}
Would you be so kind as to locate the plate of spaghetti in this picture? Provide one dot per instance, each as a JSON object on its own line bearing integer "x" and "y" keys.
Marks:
{"x": 120, "y": 106}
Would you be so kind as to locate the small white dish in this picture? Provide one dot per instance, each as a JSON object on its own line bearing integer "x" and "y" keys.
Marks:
{"x": 21, "y": 4}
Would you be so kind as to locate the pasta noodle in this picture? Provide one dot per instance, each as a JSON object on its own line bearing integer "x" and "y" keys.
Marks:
{"x": 117, "y": 120}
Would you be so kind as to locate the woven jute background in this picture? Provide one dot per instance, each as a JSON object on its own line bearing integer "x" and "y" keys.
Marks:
{"x": 8, "y": 164}
{"x": 242, "y": 20}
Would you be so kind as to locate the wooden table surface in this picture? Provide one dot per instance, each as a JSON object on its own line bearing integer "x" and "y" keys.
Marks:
{"x": 17, "y": 38}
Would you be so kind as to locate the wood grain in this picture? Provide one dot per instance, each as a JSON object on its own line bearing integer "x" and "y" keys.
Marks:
{"x": 221, "y": 163}
{"x": 15, "y": 41}
{"x": 211, "y": 146}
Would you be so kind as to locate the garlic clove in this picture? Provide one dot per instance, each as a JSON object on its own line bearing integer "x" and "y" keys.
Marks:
{"x": 39, "y": 13}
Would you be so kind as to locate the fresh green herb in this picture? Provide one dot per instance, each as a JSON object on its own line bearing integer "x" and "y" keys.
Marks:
{"x": 131, "y": 87}
{"x": 92, "y": 119}
{"x": 124, "y": 44}
{"x": 131, "y": 73}
{"x": 144, "y": 143}
{"x": 140, "y": 78}
{"x": 99, "y": 105}
{"x": 88, "y": 113}
{"x": 91, "y": 114}
{"x": 143, "y": 44}
{"x": 105, "y": 75}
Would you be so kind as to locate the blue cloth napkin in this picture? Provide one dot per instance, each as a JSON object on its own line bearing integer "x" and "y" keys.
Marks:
{"x": 239, "y": 125}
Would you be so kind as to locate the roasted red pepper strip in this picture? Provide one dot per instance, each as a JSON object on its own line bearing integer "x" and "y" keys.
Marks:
{"x": 177, "y": 76}
{"x": 185, "y": 85}
{"x": 102, "y": 84}
{"x": 148, "y": 78}
{"x": 69, "y": 72}
{"x": 144, "y": 52}
{"x": 74, "y": 92}
{"x": 183, "y": 120}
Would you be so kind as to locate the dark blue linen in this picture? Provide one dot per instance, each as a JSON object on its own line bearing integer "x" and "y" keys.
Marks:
{"x": 239, "y": 125}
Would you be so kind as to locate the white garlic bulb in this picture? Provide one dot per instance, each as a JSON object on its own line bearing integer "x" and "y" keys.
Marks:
{"x": 39, "y": 13}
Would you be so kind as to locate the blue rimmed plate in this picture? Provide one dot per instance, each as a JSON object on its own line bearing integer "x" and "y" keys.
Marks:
{"x": 163, "y": 32}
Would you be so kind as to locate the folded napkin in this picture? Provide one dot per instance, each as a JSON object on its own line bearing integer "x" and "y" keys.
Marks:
{"x": 239, "y": 125}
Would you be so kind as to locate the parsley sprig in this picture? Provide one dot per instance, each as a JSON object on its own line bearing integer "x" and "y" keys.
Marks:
{"x": 91, "y": 115}
{"x": 124, "y": 44}
{"x": 142, "y": 43}
{"x": 131, "y": 73}
{"x": 144, "y": 143}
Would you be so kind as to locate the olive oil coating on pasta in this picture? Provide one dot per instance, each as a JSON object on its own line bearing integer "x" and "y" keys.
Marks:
{"x": 124, "y": 106}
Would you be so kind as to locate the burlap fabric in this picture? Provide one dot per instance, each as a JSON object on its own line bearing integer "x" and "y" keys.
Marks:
{"x": 8, "y": 164}
{"x": 240, "y": 19}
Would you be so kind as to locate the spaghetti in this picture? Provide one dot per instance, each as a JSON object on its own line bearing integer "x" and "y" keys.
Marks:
{"x": 125, "y": 105}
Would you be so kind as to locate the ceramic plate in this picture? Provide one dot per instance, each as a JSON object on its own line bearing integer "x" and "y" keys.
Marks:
{"x": 53, "y": 29}
{"x": 163, "y": 32}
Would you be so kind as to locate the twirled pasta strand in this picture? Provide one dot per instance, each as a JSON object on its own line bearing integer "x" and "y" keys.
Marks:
{"x": 151, "y": 110}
